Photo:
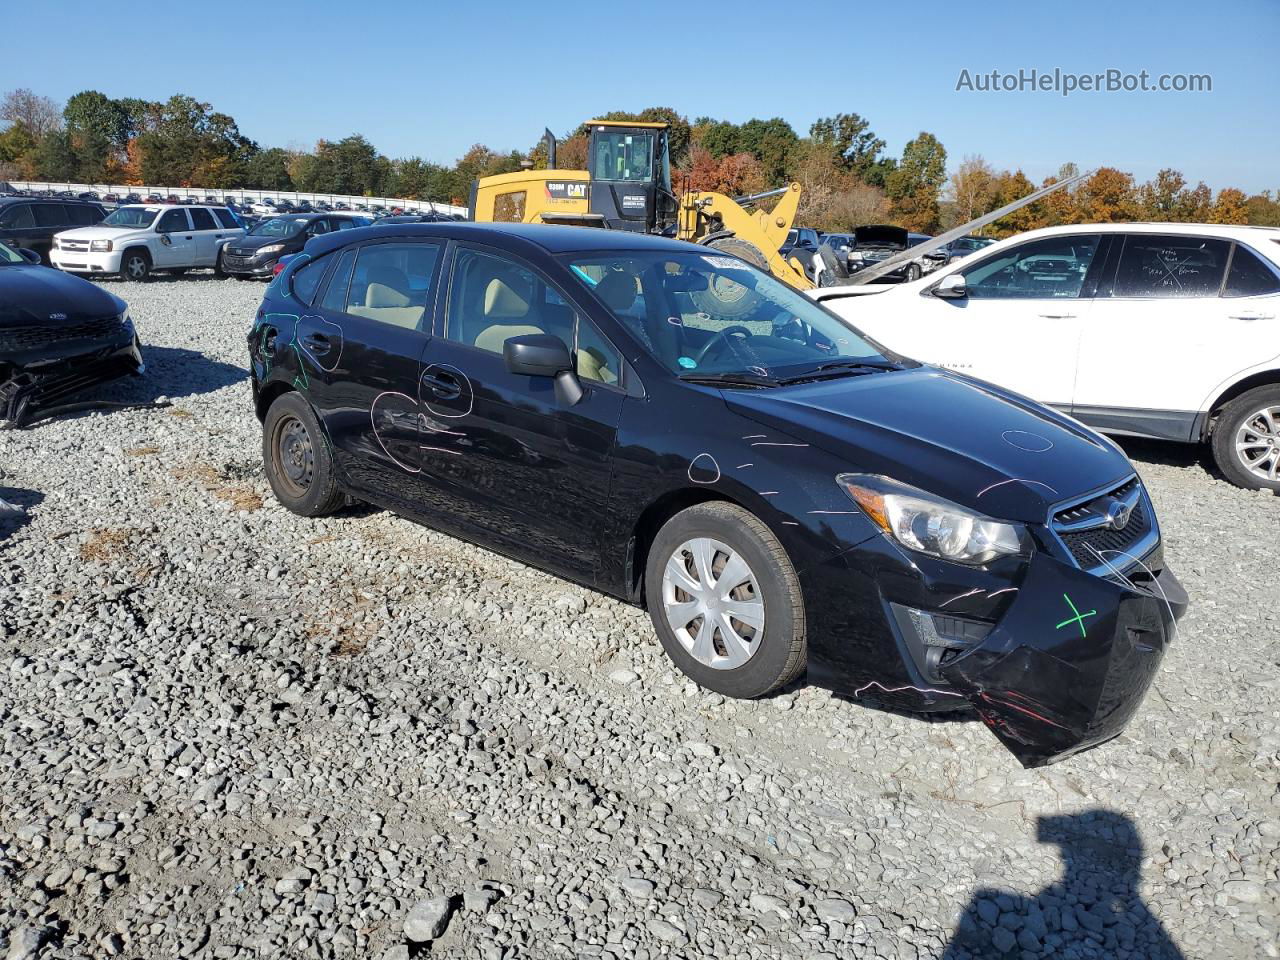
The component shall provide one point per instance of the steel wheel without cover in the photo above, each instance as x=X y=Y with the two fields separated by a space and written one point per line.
x=713 y=603
x=1258 y=443
x=295 y=455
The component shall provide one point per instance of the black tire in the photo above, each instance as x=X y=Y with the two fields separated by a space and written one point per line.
x=731 y=300
x=135 y=265
x=1235 y=416
x=297 y=459
x=218 y=269
x=913 y=272
x=781 y=654
x=834 y=272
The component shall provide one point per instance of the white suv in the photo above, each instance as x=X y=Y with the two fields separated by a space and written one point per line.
x=139 y=238
x=1154 y=330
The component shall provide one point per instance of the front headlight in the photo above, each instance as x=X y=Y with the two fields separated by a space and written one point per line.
x=100 y=246
x=126 y=321
x=271 y=248
x=920 y=521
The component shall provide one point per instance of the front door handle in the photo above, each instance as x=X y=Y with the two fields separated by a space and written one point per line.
x=1058 y=316
x=1251 y=315
x=443 y=386
x=318 y=343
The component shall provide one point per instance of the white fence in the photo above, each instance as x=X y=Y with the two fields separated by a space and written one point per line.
x=409 y=206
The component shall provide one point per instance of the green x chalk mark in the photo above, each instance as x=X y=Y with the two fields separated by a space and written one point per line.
x=1078 y=619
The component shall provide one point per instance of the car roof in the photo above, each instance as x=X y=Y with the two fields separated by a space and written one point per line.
x=1240 y=231
x=550 y=238
x=26 y=199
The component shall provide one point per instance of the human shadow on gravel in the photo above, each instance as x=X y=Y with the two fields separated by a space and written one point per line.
x=15 y=509
x=1095 y=910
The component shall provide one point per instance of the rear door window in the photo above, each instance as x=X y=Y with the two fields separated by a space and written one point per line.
x=51 y=215
x=226 y=218
x=392 y=281
x=1170 y=266
x=1249 y=276
x=335 y=294
x=202 y=219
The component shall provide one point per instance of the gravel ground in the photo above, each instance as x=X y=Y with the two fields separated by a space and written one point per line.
x=232 y=732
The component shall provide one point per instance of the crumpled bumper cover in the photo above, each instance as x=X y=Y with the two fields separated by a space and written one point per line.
x=63 y=372
x=1069 y=663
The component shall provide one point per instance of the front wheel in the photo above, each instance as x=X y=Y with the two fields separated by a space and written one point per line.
x=913 y=272
x=725 y=601
x=135 y=265
x=296 y=456
x=1246 y=439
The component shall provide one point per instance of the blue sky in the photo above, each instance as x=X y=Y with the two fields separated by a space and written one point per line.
x=291 y=73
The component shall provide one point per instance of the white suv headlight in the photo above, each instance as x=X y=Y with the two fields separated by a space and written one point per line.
x=100 y=246
x=920 y=521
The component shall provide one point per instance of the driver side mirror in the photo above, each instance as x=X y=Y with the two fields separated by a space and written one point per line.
x=544 y=355
x=951 y=288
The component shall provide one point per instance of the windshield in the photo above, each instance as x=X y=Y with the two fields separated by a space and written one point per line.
x=130 y=217
x=623 y=156
x=10 y=255
x=279 y=227
x=710 y=314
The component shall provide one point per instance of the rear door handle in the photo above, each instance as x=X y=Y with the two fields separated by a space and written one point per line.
x=1058 y=316
x=1251 y=315
x=318 y=343
x=443 y=386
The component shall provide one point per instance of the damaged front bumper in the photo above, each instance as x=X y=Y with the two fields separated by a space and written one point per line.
x=1067 y=665
x=36 y=377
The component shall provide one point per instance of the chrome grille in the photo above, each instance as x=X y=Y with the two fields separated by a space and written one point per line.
x=1088 y=530
x=77 y=245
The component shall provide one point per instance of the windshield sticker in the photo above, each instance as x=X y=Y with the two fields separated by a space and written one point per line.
x=725 y=263
x=687 y=362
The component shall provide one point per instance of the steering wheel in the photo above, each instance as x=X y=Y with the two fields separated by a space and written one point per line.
x=720 y=339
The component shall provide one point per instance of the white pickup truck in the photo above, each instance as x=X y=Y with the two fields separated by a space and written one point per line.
x=137 y=239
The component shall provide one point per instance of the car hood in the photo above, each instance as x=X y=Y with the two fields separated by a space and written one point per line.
x=41 y=296
x=247 y=242
x=100 y=233
x=960 y=438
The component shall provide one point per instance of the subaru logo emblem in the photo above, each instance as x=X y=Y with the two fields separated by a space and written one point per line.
x=1118 y=514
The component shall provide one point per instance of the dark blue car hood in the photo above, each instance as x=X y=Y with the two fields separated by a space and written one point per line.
x=956 y=437
x=32 y=295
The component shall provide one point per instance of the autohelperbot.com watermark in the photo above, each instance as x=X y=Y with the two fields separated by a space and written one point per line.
x=1065 y=82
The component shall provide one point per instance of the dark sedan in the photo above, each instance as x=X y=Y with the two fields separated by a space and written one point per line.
x=256 y=253
x=679 y=430
x=59 y=335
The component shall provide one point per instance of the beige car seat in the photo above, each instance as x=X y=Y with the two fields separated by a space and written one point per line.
x=386 y=301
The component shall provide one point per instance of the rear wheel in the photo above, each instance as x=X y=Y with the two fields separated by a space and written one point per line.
x=135 y=265
x=725 y=601
x=913 y=272
x=297 y=459
x=1246 y=439
x=725 y=298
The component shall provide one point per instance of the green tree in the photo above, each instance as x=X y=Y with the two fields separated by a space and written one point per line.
x=773 y=143
x=913 y=187
x=54 y=159
x=268 y=170
x=850 y=139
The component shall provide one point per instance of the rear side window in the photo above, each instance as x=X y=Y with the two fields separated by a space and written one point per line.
x=391 y=283
x=1249 y=276
x=17 y=216
x=335 y=295
x=1159 y=266
x=226 y=218
x=202 y=219
x=306 y=280
x=51 y=215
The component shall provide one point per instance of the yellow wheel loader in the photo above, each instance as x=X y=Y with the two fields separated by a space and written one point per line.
x=628 y=187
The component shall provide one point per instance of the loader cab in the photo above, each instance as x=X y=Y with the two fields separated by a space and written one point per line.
x=630 y=167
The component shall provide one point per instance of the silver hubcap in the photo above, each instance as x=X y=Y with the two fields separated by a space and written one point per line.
x=1258 y=443
x=713 y=603
x=136 y=267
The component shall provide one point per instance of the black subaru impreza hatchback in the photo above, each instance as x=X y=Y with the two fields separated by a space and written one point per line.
x=675 y=428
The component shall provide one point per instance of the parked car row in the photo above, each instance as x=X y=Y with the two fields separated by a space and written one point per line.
x=848 y=253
